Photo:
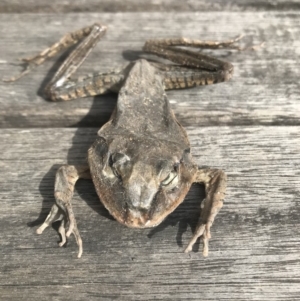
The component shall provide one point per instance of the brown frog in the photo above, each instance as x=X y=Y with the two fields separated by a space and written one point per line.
x=140 y=163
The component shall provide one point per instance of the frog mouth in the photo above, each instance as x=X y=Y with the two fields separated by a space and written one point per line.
x=136 y=218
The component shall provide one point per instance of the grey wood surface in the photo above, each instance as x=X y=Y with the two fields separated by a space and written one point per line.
x=67 y=6
x=249 y=127
x=263 y=90
x=254 y=250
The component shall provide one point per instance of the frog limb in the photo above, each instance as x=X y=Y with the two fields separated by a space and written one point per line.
x=228 y=44
x=215 y=186
x=194 y=68
x=65 y=42
x=61 y=87
x=65 y=180
x=90 y=85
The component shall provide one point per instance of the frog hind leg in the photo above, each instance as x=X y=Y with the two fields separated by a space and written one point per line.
x=62 y=87
x=65 y=180
x=215 y=186
x=192 y=67
x=89 y=34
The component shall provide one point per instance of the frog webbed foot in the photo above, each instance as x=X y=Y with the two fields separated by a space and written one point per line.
x=215 y=186
x=62 y=210
x=204 y=231
x=57 y=214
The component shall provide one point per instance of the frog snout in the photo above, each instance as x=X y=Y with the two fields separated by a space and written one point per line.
x=141 y=196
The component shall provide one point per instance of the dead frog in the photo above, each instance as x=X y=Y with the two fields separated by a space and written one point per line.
x=140 y=163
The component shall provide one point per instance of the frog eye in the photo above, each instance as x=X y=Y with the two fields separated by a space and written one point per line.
x=172 y=179
x=169 y=179
x=119 y=158
x=116 y=173
x=117 y=163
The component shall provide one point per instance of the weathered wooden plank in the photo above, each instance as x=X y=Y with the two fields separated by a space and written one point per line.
x=254 y=251
x=264 y=89
x=43 y=6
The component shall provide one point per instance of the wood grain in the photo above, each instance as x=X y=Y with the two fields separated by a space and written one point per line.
x=263 y=91
x=67 y=6
x=249 y=127
x=254 y=250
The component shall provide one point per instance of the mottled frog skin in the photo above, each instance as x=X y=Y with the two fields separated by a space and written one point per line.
x=140 y=163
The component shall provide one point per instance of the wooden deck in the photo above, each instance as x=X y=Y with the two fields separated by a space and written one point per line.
x=250 y=127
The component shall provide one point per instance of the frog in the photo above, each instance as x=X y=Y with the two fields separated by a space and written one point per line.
x=141 y=162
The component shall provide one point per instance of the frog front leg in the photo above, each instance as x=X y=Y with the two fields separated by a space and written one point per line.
x=215 y=187
x=65 y=180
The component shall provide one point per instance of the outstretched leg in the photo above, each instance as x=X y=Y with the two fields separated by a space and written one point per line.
x=61 y=87
x=65 y=42
x=192 y=68
x=215 y=186
x=65 y=180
